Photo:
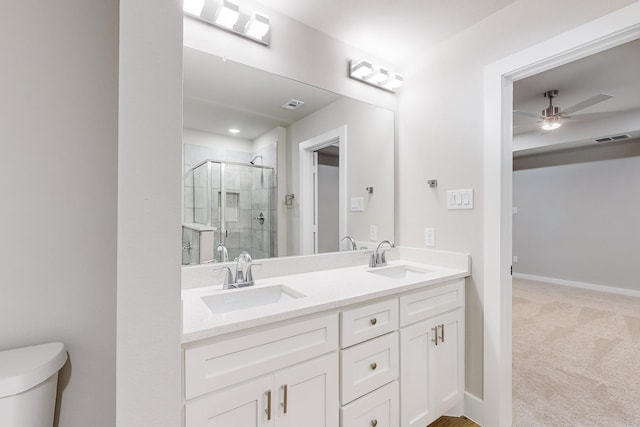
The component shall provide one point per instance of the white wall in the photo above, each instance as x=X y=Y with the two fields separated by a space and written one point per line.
x=370 y=163
x=58 y=181
x=149 y=190
x=441 y=129
x=579 y=222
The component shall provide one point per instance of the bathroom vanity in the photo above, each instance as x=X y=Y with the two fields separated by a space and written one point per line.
x=345 y=346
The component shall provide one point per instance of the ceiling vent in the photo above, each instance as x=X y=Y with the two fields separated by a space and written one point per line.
x=294 y=104
x=613 y=138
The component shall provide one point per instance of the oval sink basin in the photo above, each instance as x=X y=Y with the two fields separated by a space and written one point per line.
x=400 y=272
x=239 y=299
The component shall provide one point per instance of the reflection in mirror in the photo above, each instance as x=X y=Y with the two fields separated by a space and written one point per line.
x=277 y=167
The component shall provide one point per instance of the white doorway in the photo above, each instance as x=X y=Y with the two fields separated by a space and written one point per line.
x=310 y=214
x=609 y=31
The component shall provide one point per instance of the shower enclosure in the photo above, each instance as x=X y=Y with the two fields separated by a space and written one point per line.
x=237 y=199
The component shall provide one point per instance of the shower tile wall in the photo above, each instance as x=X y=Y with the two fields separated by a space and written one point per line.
x=255 y=191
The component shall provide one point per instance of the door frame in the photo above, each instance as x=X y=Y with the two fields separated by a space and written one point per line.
x=307 y=209
x=600 y=34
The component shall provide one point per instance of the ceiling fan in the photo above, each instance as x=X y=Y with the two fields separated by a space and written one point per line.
x=552 y=117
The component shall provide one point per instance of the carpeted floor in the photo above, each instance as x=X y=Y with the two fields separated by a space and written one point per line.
x=576 y=357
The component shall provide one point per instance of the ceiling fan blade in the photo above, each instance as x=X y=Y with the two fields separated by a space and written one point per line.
x=528 y=114
x=587 y=103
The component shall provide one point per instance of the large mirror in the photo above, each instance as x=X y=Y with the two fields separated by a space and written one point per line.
x=279 y=168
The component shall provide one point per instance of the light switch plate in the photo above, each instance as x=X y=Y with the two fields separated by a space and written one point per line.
x=430 y=237
x=460 y=199
x=357 y=204
x=373 y=232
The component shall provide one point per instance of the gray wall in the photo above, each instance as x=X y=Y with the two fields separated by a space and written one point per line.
x=578 y=221
x=58 y=165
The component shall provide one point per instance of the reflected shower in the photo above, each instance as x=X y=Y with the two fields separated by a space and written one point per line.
x=253 y=161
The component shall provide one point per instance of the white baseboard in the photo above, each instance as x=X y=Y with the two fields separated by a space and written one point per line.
x=474 y=408
x=582 y=285
x=471 y=407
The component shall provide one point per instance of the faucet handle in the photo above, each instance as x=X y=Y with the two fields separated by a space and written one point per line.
x=228 y=277
x=249 y=275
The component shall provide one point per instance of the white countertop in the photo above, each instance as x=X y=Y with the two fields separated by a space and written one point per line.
x=323 y=290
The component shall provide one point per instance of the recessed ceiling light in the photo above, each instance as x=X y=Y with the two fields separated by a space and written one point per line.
x=234 y=131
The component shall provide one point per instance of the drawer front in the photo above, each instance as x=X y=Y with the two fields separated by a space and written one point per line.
x=421 y=305
x=368 y=366
x=363 y=323
x=377 y=409
x=230 y=361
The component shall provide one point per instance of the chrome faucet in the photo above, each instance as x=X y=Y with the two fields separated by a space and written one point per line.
x=378 y=257
x=354 y=247
x=224 y=255
x=244 y=273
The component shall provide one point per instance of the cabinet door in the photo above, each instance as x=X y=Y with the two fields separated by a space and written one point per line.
x=417 y=388
x=245 y=405
x=448 y=360
x=308 y=393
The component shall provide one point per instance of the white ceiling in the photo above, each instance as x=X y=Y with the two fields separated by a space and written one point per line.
x=392 y=29
x=219 y=95
x=615 y=72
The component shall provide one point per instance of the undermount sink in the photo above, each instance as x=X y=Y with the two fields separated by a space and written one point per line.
x=239 y=299
x=400 y=272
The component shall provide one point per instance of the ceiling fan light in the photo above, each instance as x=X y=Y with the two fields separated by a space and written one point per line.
x=551 y=123
x=258 y=26
x=228 y=14
x=361 y=69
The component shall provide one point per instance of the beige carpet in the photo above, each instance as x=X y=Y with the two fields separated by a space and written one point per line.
x=576 y=357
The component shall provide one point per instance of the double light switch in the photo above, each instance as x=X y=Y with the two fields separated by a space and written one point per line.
x=460 y=199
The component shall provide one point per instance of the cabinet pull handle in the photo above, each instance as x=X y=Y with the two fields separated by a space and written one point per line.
x=284 y=403
x=373 y=366
x=373 y=321
x=374 y=423
x=442 y=334
x=435 y=334
x=268 y=410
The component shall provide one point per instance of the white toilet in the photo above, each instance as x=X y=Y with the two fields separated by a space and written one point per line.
x=28 y=384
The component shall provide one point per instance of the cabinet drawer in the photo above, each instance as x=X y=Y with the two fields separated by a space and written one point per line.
x=367 y=366
x=241 y=357
x=421 y=305
x=377 y=409
x=363 y=323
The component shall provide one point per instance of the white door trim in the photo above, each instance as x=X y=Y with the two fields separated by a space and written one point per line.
x=600 y=34
x=306 y=150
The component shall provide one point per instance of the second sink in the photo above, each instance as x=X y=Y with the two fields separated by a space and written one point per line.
x=400 y=272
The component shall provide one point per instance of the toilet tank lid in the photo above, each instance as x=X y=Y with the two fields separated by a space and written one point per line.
x=26 y=367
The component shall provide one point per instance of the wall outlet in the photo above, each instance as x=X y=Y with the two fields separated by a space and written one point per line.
x=515 y=258
x=430 y=237
x=373 y=233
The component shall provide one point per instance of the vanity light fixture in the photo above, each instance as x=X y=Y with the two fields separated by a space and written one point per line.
x=258 y=26
x=379 y=77
x=229 y=17
x=228 y=13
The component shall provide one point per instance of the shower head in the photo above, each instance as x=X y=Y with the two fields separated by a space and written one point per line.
x=253 y=161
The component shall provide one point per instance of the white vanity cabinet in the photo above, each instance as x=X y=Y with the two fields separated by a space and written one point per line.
x=283 y=376
x=432 y=353
x=386 y=362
